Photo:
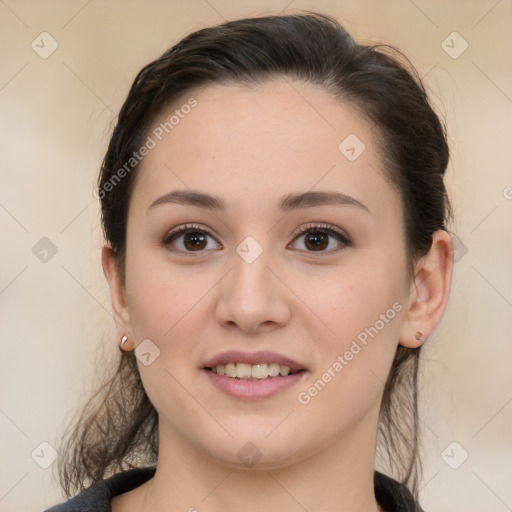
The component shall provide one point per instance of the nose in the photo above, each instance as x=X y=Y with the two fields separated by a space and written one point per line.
x=252 y=298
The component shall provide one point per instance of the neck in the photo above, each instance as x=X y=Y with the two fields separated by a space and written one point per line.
x=340 y=477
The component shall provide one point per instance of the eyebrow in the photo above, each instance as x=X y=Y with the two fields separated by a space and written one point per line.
x=285 y=204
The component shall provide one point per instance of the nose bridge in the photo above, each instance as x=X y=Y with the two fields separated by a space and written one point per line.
x=250 y=266
x=250 y=294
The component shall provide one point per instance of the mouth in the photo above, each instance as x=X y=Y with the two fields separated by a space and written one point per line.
x=253 y=375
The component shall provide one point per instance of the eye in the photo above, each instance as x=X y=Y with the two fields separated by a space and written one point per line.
x=318 y=238
x=189 y=238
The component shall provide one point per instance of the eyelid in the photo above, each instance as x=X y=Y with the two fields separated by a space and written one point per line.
x=183 y=227
x=321 y=226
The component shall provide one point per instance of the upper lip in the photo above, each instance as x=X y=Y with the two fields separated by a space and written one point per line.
x=265 y=356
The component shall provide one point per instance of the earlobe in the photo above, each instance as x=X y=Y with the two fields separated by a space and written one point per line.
x=117 y=293
x=429 y=292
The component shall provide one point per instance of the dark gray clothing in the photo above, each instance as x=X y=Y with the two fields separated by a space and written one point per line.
x=391 y=495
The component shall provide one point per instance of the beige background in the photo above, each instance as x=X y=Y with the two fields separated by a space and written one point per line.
x=56 y=114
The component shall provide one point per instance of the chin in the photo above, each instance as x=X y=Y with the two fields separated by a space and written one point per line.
x=252 y=450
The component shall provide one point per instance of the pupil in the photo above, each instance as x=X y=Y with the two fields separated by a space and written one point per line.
x=319 y=241
x=194 y=240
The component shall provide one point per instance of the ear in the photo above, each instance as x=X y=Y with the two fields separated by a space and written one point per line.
x=117 y=295
x=429 y=291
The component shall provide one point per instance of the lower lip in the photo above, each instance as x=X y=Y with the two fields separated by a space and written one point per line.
x=253 y=389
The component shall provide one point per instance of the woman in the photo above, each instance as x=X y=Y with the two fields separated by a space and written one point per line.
x=277 y=253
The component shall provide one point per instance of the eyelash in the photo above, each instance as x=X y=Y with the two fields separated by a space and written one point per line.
x=326 y=229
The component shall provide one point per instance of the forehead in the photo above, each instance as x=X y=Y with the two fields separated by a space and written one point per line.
x=262 y=141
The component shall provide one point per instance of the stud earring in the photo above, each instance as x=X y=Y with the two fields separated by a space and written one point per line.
x=124 y=339
x=418 y=336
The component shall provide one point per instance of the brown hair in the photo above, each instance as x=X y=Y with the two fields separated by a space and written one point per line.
x=118 y=428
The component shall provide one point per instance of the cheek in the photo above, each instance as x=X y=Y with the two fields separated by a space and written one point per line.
x=161 y=296
x=168 y=309
x=358 y=299
x=348 y=381
x=364 y=310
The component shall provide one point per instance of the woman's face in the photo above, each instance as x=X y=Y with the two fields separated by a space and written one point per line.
x=282 y=268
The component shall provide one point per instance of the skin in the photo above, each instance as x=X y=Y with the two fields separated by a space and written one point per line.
x=251 y=146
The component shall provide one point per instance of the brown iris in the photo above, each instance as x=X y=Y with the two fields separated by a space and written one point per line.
x=194 y=241
x=316 y=240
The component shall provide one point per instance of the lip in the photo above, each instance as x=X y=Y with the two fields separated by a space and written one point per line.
x=263 y=356
x=253 y=389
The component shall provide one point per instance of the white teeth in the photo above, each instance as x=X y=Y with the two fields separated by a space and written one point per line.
x=230 y=369
x=273 y=369
x=259 y=371
x=243 y=370
x=256 y=371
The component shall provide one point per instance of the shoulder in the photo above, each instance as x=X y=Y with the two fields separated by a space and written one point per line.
x=97 y=497
x=393 y=496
